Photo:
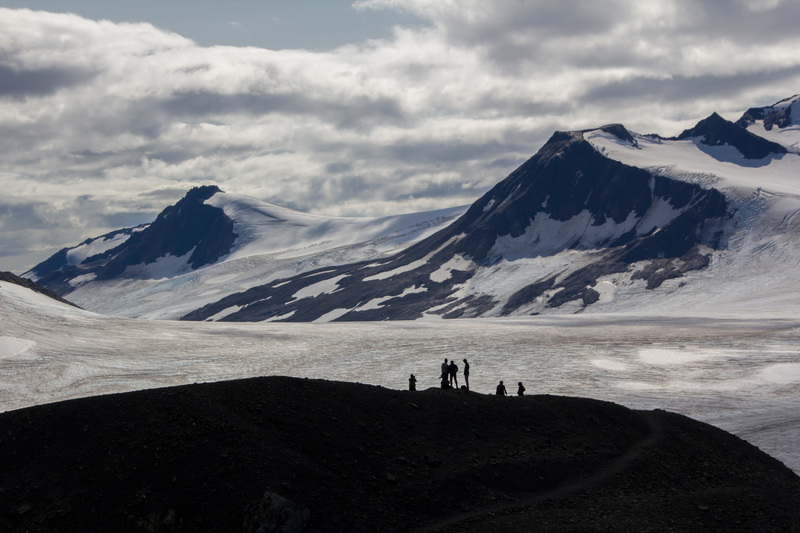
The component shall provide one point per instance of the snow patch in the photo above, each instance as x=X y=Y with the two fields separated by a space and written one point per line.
x=376 y=303
x=77 y=255
x=444 y=272
x=399 y=270
x=665 y=357
x=165 y=267
x=607 y=291
x=79 y=280
x=326 y=286
x=782 y=374
x=280 y=317
x=610 y=364
x=225 y=312
x=331 y=316
x=17 y=349
x=546 y=236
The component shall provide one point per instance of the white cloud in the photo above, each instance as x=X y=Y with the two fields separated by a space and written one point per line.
x=430 y=118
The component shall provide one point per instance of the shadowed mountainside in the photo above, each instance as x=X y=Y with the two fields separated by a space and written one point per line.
x=365 y=458
x=581 y=199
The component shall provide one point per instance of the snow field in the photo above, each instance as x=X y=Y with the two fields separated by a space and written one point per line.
x=742 y=375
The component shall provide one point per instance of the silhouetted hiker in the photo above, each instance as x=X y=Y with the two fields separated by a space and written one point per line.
x=453 y=370
x=521 y=389
x=445 y=374
x=501 y=390
x=412 y=383
x=466 y=373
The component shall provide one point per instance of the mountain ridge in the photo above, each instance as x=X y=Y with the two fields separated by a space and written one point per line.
x=596 y=218
x=567 y=167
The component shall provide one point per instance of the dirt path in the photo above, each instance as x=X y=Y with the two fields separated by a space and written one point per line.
x=568 y=487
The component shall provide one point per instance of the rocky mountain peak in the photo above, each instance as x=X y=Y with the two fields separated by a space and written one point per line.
x=716 y=131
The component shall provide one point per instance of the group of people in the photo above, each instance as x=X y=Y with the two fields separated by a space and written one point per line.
x=450 y=374
x=501 y=389
x=450 y=379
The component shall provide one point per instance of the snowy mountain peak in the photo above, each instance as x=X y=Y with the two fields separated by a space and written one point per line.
x=716 y=131
x=184 y=236
x=541 y=240
x=599 y=220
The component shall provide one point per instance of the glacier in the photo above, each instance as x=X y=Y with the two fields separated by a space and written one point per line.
x=740 y=374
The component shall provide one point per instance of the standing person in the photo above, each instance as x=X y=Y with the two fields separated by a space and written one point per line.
x=453 y=369
x=466 y=373
x=501 y=390
x=521 y=389
x=412 y=383
x=445 y=374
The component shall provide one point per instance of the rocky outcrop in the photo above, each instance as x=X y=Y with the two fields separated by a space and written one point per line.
x=716 y=131
x=778 y=115
x=275 y=514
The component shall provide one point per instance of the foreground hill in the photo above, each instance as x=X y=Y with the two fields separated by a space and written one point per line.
x=364 y=458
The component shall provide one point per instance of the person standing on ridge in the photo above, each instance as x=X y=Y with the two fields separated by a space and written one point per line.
x=501 y=390
x=412 y=383
x=453 y=370
x=445 y=374
x=466 y=373
x=521 y=389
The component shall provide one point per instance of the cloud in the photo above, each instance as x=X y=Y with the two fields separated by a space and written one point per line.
x=129 y=116
x=22 y=83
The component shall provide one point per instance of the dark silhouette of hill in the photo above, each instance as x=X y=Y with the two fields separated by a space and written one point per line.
x=353 y=457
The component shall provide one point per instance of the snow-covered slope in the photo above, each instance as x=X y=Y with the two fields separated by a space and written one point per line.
x=560 y=234
x=756 y=272
x=601 y=220
x=779 y=122
x=156 y=271
x=741 y=374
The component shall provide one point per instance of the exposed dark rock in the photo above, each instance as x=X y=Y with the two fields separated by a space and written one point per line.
x=188 y=225
x=620 y=132
x=771 y=115
x=364 y=458
x=716 y=131
x=275 y=514
x=28 y=284
x=528 y=294
x=566 y=179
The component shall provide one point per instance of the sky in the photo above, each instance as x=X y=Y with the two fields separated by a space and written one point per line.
x=110 y=111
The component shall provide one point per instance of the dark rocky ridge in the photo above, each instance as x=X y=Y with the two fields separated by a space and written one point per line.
x=188 y=225
x=10 y=277
x=364 y=458
x=565 y=178
x=781 y=117
x=716 y=131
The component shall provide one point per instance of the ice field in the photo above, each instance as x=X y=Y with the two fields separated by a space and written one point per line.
x=740 y=375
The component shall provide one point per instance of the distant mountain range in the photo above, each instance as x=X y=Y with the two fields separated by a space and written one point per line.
x=600 y=220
